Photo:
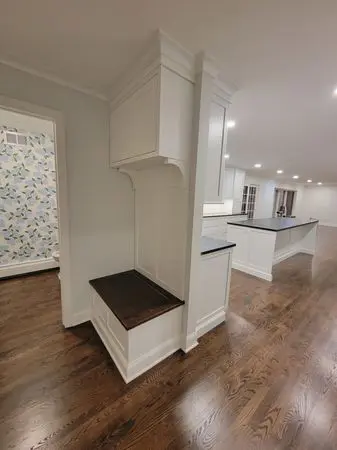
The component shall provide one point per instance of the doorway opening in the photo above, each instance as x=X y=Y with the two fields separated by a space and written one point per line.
x=34 y=217
x=284 y=201
x=28 y=199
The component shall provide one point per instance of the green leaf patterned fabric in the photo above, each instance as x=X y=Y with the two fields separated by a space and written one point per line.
x=28 y=205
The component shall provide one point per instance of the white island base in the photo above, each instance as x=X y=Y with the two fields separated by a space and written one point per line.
x=260 y=244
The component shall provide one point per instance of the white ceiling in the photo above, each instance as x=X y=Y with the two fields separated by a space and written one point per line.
x=280 y=54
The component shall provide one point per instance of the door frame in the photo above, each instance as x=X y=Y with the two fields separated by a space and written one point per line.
x=56 y=117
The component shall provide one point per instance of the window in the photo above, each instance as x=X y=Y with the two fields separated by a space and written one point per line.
x=249 y=200
x=15 y=138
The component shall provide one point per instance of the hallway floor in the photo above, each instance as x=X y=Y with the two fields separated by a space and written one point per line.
x=267 y=379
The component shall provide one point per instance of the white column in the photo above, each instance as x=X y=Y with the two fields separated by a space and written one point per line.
x=204 y=86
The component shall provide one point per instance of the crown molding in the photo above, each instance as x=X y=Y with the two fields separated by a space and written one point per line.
x=205 y=63
x=53 y=79
x=161 y=51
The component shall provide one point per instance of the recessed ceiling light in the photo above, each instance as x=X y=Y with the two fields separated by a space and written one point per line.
x=309 y=181
x=227 y=155
x=295 y=177
x=280 y=171
x=231 y=124
x=335 y=92
x=258 y=166
x=319 y=183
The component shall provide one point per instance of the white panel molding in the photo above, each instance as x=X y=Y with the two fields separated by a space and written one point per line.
x=80 y=317
x=210 y=321
x=152 y=358
x=288 y=253
x=10 y=270
x=114 y=351
x=252 y=271
x=135 y=351
x=54 y=79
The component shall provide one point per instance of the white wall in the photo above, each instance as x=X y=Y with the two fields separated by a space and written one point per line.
x=265 y=197
x=320 y=202
x=24 y=122
x=100 y=199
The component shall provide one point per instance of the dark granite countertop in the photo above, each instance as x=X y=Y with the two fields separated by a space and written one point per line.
x=133 y=298
x=205 y=216
x=273 y=224
x=211 y=245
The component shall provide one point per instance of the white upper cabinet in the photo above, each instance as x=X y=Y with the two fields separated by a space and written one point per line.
x=228 y=183
x=215 y=155
x=133 y=125
x=153 y=121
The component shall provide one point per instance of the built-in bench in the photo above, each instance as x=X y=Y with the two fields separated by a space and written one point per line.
x=138 y=321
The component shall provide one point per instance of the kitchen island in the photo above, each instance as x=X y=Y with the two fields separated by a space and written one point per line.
x=262 y=243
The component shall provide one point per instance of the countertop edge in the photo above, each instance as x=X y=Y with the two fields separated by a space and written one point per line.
x=209 y=216
x=272 y=229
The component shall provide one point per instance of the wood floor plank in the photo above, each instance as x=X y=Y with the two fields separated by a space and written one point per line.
x=266 y=379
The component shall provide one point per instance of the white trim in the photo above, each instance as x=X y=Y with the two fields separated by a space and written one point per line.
x=62 y=192
x=142 y=364
x=210 y=321
x=152 y=358
x=286 y=255
x=190 y=342
x=162 y=51
x=10 y=270
x=328 y=224
x=80 y=317
x=54 y=79
x=156 y=280
x=256 y=273
x=115 y=353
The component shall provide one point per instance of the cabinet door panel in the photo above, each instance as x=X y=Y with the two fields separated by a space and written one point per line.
x=215 y=165
x=134 y=123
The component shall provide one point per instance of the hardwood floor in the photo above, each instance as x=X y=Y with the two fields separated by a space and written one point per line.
x=267 y=379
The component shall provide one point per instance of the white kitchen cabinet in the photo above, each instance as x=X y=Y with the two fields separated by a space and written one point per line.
x=152 y=121
x=228 y=183
x=234 y=180
x=213 y=292
x=215 y=156
x=239 y=182
x=216 y=227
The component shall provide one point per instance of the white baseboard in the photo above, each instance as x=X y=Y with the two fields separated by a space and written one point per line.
x=189 y=343
x=306 y=251
x=252 y=271
x=78 y=318
x=142 y=364
x=10 y=270
x=327 y=224
x=210 y=321
x=152 y=358
x=286 y=255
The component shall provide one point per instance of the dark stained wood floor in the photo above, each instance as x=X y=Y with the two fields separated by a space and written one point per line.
x=267 y=379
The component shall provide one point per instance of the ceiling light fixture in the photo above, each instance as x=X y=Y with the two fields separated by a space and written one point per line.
x=227 y=155
x=231 y=124
x=319 y=183
x=295 y=177
x=258 y=166
x=280 y=171
x=335 y=92
x=309 y=181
